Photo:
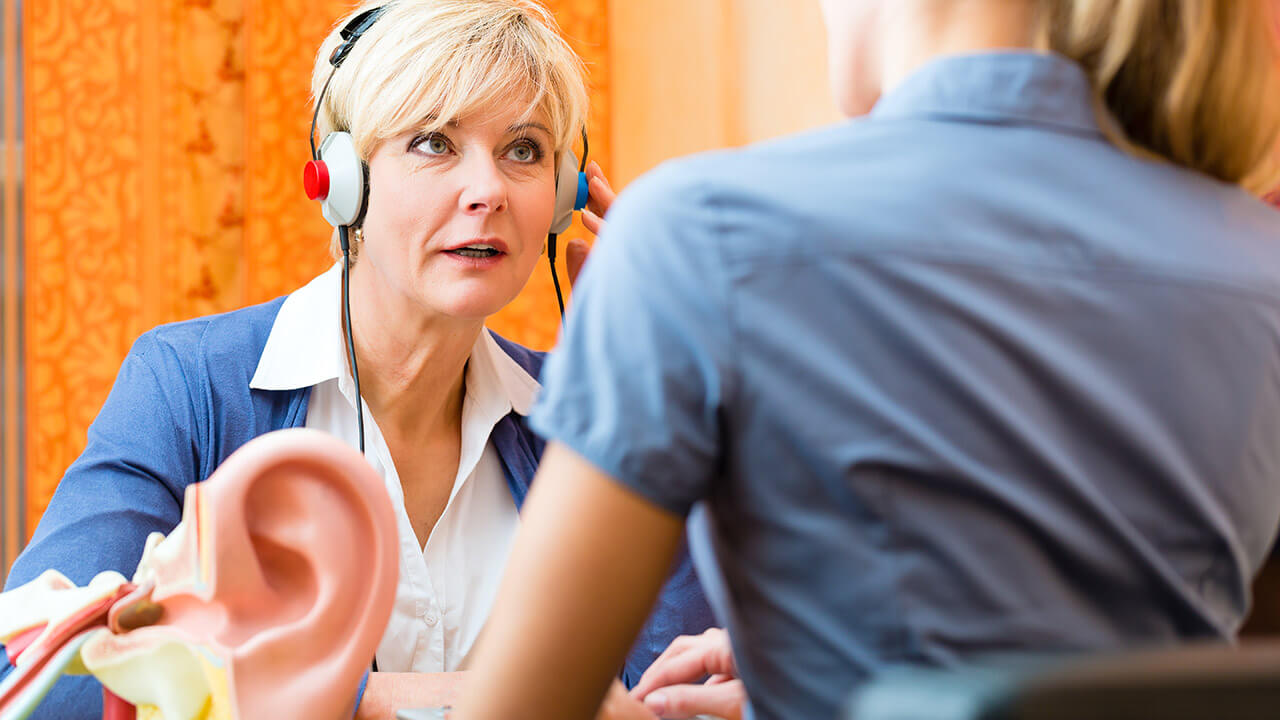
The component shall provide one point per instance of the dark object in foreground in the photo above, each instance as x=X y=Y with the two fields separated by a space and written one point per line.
x=1187 y=683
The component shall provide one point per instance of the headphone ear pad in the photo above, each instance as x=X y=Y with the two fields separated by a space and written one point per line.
x=347 y=186
x=568 y=182
x=364 y=195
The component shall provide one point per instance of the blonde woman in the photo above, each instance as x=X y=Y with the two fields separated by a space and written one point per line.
x=461 y=110
x=993 y=367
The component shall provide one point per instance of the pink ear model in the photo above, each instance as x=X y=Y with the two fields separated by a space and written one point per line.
x=270 y=597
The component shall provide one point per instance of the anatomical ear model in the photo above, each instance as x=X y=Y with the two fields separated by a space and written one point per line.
x=266 y=601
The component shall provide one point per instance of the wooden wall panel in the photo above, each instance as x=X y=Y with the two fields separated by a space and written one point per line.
x=86 y=69
x=286 y=239
x=781 y=57
x=694 y=75
x=13 y=506
x=135 y=171
x=165 y=144
x=668 y=60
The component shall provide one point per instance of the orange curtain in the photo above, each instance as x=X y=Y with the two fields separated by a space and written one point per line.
x=164 y=145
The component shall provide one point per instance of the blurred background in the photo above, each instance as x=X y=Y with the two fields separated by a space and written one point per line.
x=151 y=163
x=150 y=166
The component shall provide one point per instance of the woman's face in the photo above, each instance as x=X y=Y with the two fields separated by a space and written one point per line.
x=853 y=64
x=458 y=217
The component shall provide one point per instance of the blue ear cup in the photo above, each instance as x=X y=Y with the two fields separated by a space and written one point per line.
x=572 y=193
x=580 y=202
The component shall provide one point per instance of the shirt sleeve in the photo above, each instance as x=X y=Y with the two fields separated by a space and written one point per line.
x=640 y=381
x=126 y=484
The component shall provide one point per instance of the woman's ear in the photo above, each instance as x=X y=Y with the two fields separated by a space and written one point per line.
x=294 y=547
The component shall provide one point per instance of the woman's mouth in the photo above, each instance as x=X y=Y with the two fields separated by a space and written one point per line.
x=478 y=250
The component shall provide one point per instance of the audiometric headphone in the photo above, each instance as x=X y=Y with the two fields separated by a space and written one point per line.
x=337 y=178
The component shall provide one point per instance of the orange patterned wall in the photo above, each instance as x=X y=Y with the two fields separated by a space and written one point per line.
x=164 y=145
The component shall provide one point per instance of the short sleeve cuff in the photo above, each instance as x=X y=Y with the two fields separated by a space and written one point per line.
x=544 y=422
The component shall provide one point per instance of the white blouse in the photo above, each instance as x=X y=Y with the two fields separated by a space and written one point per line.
x=446 y=587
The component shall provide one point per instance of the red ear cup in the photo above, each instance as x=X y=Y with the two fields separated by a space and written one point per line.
x=315 y=179
x=343 y=186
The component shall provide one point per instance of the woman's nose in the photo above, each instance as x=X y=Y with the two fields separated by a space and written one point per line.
x=484 y=188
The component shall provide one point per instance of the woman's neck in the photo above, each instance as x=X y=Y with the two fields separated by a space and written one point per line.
x=412 y=364
x=915 y=32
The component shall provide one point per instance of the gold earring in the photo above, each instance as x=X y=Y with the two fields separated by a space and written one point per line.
x=358 y=233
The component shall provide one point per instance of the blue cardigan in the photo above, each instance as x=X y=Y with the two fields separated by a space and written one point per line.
x=180 y=405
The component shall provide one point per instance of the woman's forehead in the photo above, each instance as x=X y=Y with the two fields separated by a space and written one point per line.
x=506 y=115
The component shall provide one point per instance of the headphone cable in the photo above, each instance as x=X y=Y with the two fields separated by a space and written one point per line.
x=346 y=325
x=555 y=279
x=315 y=115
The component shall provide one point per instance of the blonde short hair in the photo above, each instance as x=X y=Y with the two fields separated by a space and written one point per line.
x=1196 y=82
x=426 y=62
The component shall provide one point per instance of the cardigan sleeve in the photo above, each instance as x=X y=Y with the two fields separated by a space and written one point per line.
x=127 y=483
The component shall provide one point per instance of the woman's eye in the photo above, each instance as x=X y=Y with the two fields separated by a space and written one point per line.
x=524 y=153
x=433 y=144
x=436 y=145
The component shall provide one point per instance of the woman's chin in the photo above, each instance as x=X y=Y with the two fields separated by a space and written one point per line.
x=468 y=295
x=471 y=304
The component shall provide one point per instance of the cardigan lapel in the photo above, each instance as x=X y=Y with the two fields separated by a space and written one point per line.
x=520 y=450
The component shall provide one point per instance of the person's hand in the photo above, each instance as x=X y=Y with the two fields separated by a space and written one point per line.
x=666 y=689
x=618 y=705
x=600 y=196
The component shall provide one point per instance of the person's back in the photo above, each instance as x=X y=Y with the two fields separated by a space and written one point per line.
x=969 y=375
x=996 y=384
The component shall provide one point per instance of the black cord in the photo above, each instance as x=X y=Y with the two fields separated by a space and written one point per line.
x=346 y=325
x=555 y=279
x=351 y=343
x=315 y=115
x=350 y=34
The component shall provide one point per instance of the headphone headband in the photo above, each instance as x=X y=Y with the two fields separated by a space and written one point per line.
x=352 y=31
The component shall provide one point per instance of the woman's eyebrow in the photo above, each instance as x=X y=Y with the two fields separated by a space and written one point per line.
x=432 y=118
x=527 y=125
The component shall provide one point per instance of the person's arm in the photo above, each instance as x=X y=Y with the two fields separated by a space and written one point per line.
x=589 y=559
x=387 y=692
x=126 y=484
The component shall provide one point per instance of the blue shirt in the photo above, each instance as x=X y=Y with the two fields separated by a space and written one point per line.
x=957 y=377
x=181 y=404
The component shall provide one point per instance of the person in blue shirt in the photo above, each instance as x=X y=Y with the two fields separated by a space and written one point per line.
x=994 y=366
x=463 y=111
